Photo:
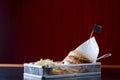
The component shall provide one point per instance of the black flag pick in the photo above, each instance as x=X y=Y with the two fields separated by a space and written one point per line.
x=96 y=28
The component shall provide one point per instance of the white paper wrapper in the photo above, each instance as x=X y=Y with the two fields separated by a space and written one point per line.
x=90 y=47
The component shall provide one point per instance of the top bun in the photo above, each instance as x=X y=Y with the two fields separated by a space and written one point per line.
x=77 y=57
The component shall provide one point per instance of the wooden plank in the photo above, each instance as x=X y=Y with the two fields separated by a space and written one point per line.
x=11 y=65
x=110 y=66
x=21 y=65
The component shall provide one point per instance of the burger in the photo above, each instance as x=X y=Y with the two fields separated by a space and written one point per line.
x=74 y=57
x=77 y=57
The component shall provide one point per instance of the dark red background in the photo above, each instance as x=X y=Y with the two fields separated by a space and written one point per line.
x=34 y=29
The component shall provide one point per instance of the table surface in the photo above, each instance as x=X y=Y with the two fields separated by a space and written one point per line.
x=15 y=72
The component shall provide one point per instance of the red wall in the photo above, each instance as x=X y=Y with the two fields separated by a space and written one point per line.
x=34 y=29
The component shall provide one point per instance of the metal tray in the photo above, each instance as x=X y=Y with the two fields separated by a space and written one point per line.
x=85 y=70
x=95 y=77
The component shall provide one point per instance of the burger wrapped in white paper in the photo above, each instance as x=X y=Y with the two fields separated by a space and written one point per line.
x=85 y=53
